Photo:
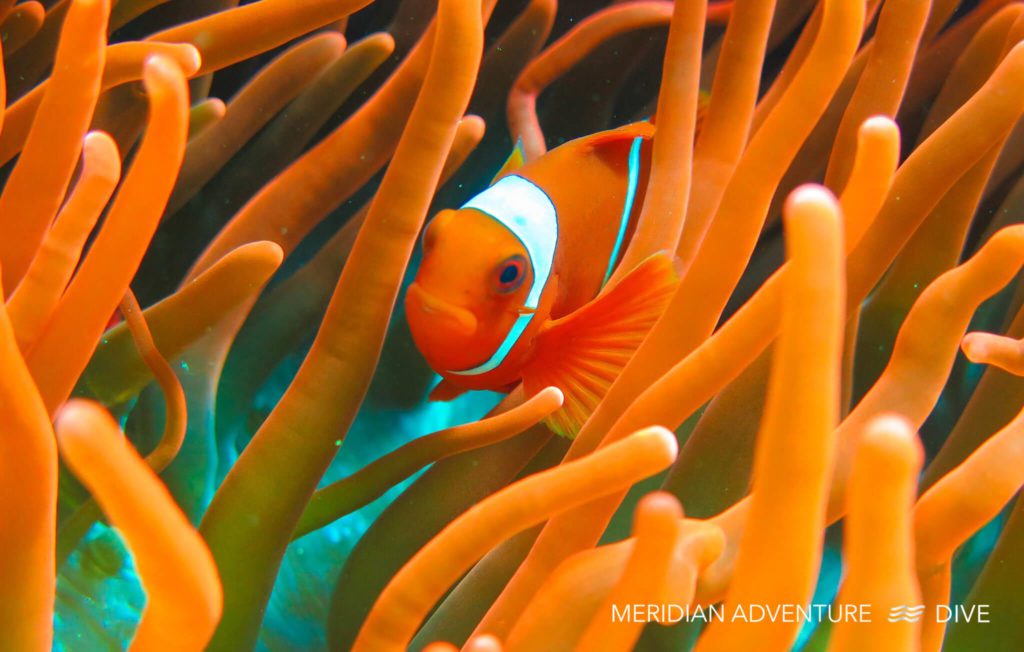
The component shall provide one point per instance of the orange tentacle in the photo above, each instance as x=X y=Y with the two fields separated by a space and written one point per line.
x=974 y=65
x=937 y=243
x=64 y=348
x=878 y=544
x=286 y=209
x=338 y=368
x=116 y=372
x=35 y=56
x=304 y=295
x=21 y=25
x=726 y=127
x=204 y=115
x=661 y=218
x=733 y=232
x=485 y=643
x=1006 y=353
x=795 y=60
x=883 y=82
x=564 y=53
x=175 y=421
x=569 y=599
x=957 y=506
x=39 y=292
x=183 y=594
x=370 y=482
x=36 y=187
x=256 y=103
x=413 y=591
x=236 y=34
x=28 y=507
x=657 y=528
x=911 y=383
x=287 y=136
x=970 y=133
x=509 y=55
x=684 y=389
x=176 y=418
x=934 y=248
x=125 y=62
x=221 y=40
x=778 y=557
x=994 y=402
x=125 y=11
x=938 y=57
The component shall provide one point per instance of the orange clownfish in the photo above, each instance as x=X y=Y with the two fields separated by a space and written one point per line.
x=512 y=285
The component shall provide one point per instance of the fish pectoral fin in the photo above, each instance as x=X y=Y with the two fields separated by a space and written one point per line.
x=523 y=310
x=446 y=391
x=583 y=353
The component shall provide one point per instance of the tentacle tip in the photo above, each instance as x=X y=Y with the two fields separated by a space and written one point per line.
x=893 y=436
x=266 y=254
x=811 y=193
x=100 y=142
x=187 y=59
x=194 y=62
x=336 y=40
x=660 y=504
x=890 y=424
x=217 y=106
x=160 y=66
x=555 y=395
x=381 y=41
x=97 y=136
x=712 y=541
x=1009 y=239
x=69 y=422
x=71 y=409
x=811 y=204
x=664 y=437
x=475 y=123
x=973 y=346
x=275 y=253
x=880 y=124
x=484 y=643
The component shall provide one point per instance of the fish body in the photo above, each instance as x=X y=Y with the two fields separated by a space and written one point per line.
x=513 y=285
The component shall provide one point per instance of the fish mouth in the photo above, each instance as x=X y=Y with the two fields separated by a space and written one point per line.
x=463 y=320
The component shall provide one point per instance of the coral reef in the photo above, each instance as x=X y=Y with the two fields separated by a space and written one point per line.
x=251 y=462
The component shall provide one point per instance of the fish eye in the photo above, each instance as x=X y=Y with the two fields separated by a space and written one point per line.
x=510 y=274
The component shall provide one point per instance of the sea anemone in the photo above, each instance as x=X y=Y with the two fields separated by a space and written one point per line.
x=250 y=461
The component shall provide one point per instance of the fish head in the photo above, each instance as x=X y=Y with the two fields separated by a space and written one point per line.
x=470 y=289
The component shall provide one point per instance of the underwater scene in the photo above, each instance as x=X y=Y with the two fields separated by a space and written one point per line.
x=512 y=325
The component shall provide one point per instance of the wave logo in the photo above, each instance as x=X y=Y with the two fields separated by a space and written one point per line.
x=906 y=613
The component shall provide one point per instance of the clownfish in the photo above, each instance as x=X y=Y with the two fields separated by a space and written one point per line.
x=513 y=286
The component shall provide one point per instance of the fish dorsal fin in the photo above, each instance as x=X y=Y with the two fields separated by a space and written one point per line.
x=514 y=161
x=617 y=147
x=622 y=136
x=583 y=353
x=446 y=391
